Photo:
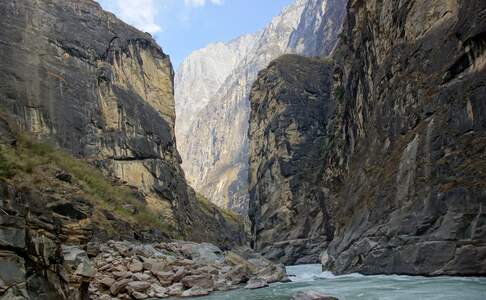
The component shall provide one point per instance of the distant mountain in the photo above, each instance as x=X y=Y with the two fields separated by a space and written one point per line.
x=212 y=91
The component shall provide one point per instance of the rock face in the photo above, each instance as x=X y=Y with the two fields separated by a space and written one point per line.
x=403 y=162
x=216 y=158
x=410 y=135
x=104 y=94
x=290 y=106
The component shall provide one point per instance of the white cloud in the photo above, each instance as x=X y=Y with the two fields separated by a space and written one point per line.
x=138 y=13
x=197 y=3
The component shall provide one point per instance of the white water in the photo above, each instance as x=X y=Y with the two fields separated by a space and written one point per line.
x=360 y=287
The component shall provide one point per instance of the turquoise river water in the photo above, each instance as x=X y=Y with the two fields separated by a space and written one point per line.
x=360 y=287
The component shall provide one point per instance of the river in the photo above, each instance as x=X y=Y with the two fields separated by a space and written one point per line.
x=356 y=286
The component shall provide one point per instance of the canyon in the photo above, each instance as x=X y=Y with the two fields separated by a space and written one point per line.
x=213 y=87
x=346 y=133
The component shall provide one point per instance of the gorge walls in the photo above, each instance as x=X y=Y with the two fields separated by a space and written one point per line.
x=212 y=122
x=78 y=79
x=410 y=138
x=290 y=106
x=403 y=162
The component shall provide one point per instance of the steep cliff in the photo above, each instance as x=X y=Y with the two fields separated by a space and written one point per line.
x=408 y=161
x=403 y=160
x=213 y=137
x=104 y=94
x=290 y=106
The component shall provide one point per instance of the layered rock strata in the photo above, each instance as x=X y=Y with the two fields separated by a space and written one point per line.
x=290 y=107
x=403 y=164
x=408 y=160
x=78 y=79
x=104 y=94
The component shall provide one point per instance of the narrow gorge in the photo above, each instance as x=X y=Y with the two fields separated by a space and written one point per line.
x=213 y=87
x=338 y=153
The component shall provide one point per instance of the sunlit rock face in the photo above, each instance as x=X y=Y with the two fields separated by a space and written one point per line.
x=105 y=94
x=212 y=91
x=290 y=109
x=407 y=169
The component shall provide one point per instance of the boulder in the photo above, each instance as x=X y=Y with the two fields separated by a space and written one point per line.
x=139 y=286
x=135 y=266
x=175 y=290
x=256 y=283
x=202 y=253
x=119 y=286
x=141 y=277
x=85 y=269
x=107 y=281
x=204 y=281
x=165 y=278
x=138 y=295
x=195 y=292
x=238 y=275
x=311 y=295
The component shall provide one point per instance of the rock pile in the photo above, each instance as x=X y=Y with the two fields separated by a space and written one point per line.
x=134 y=271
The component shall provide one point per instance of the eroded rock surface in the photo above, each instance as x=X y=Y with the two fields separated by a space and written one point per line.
x=410 y=133
x=104 y=94
x=403 y=164
x=290 y=107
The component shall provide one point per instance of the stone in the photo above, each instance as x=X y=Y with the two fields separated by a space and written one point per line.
x=107 y=281
x=159 y=289
x=141 y=277
x=139 y=286
x=202 y=253
x=92 y=249
x=175 y=290
x=195 y=292
x=179 y=274
x=199 y=281
x=223 y=285
x=138 y=295
x=165 y=278
x=238 y=275
x=311 y=295
x=12 y=271
x=119 y=286
x=86 y=269
x=135 y=266
x=12 y=232
x=122 y=274
x=256 y=283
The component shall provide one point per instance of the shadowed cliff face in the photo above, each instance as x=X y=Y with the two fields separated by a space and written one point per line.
x=290 y=107
x=79 y=78
x=407 y=166
x=403 y=162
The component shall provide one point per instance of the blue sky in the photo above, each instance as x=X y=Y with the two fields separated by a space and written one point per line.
x=182 y=26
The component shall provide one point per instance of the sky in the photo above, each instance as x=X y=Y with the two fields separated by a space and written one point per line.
x=182 y=26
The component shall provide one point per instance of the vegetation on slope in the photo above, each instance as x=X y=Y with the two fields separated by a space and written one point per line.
x=28 y=163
